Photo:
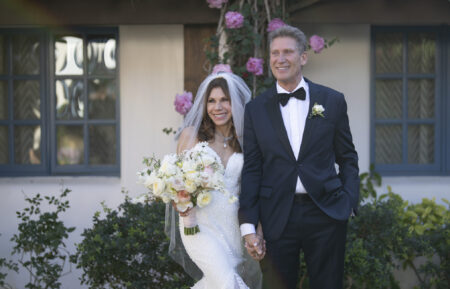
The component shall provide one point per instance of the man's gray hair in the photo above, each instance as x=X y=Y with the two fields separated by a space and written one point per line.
x=292 y=32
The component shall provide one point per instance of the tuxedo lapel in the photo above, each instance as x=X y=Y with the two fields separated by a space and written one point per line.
x=273 y=110
x=314 y=97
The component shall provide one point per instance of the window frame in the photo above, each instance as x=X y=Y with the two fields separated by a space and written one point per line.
x=440 y=167
x=47 y=78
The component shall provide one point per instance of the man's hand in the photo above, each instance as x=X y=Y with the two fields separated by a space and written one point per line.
x=256 y=246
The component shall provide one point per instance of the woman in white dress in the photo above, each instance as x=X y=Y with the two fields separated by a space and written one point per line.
x=216 y=118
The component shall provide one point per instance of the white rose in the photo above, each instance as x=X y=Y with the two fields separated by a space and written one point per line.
x=158 y=186
x=193 y=176
x=166 y=198
x=182 y=207
x=318 y=108
x=208 y=160
x=148 y=180
x=189 y=165
x=203 y=199
x=190 y=186
x=168 y=165
x=177 y=183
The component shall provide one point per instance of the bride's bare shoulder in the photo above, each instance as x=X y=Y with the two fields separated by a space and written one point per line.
x=187 y=139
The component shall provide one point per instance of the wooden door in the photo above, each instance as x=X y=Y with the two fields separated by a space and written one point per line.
x=195 y=62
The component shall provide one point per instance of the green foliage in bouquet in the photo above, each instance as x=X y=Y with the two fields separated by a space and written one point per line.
x=128 y=249
x=40 y=241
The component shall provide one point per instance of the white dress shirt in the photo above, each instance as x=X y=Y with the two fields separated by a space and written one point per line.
x=294 y=115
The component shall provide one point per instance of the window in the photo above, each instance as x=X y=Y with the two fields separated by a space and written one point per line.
x=410 y=101
x=59 y=104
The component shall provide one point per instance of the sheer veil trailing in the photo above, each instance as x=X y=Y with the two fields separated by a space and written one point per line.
x=240 y=94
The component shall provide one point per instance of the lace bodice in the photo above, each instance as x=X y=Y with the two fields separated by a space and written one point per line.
x=232 y=177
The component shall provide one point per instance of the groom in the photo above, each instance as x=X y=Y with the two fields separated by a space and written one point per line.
x=294 y=133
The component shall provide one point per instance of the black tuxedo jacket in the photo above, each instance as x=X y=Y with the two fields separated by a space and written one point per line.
x=270 y=171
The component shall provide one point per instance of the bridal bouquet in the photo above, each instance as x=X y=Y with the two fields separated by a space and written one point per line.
x=186 y=179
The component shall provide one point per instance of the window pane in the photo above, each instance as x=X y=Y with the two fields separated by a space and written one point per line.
x=69 y=99
x=69 y=55
x=27 y=99
x=388 y=144
x=421 y=53
x=3 y=57
x=4 y=159
x=102 y=144
x=101 y=54
x=421 y=98
x=27 y=144
x=70 y=145
x=26 y=54
x=102 y=99
x=388 y=99
x=389 y=53
x=3 y=100
x=421 y=144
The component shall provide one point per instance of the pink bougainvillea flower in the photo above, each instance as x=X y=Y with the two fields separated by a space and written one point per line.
x=183 y=102
x=221 y=68
x=234 y=20
x=275 y=24
x=216 y=3
x=317 y=43
x=255 y=65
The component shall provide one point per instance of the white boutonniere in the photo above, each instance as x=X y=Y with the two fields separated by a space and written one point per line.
x=317 y=110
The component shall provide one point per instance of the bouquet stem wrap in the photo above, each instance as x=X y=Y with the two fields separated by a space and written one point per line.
x=190 y=224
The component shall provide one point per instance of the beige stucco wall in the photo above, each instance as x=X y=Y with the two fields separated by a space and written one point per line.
x=345 y=66
x=151 y=73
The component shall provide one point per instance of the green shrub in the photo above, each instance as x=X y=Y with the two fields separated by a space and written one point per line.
x=388 y=230
x=9 y=265
x=128 y=249
x=40 y=241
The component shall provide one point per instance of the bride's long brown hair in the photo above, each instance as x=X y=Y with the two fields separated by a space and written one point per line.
x=207 y=127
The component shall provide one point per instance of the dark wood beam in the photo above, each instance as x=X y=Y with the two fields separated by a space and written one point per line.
x=378 y=12
x=106 y=12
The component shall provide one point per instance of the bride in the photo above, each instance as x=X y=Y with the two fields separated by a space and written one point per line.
x=216 y=118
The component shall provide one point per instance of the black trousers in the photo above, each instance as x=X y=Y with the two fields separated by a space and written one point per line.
x=322 y=240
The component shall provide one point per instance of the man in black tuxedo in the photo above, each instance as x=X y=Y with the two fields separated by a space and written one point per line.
x=294 y=134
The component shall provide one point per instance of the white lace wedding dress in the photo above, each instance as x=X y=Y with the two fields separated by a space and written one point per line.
x=217 y=249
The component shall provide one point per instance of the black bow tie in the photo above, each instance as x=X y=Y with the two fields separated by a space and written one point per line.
x=283 y=98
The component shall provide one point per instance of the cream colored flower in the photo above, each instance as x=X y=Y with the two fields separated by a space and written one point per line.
x=208 y=160
x=190 y=186
x=317 y=110
x=168 y=165
x=182 y=207
x=203 y=199
x=158 y=187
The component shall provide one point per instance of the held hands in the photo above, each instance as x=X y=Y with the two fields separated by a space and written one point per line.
x=256 y=246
